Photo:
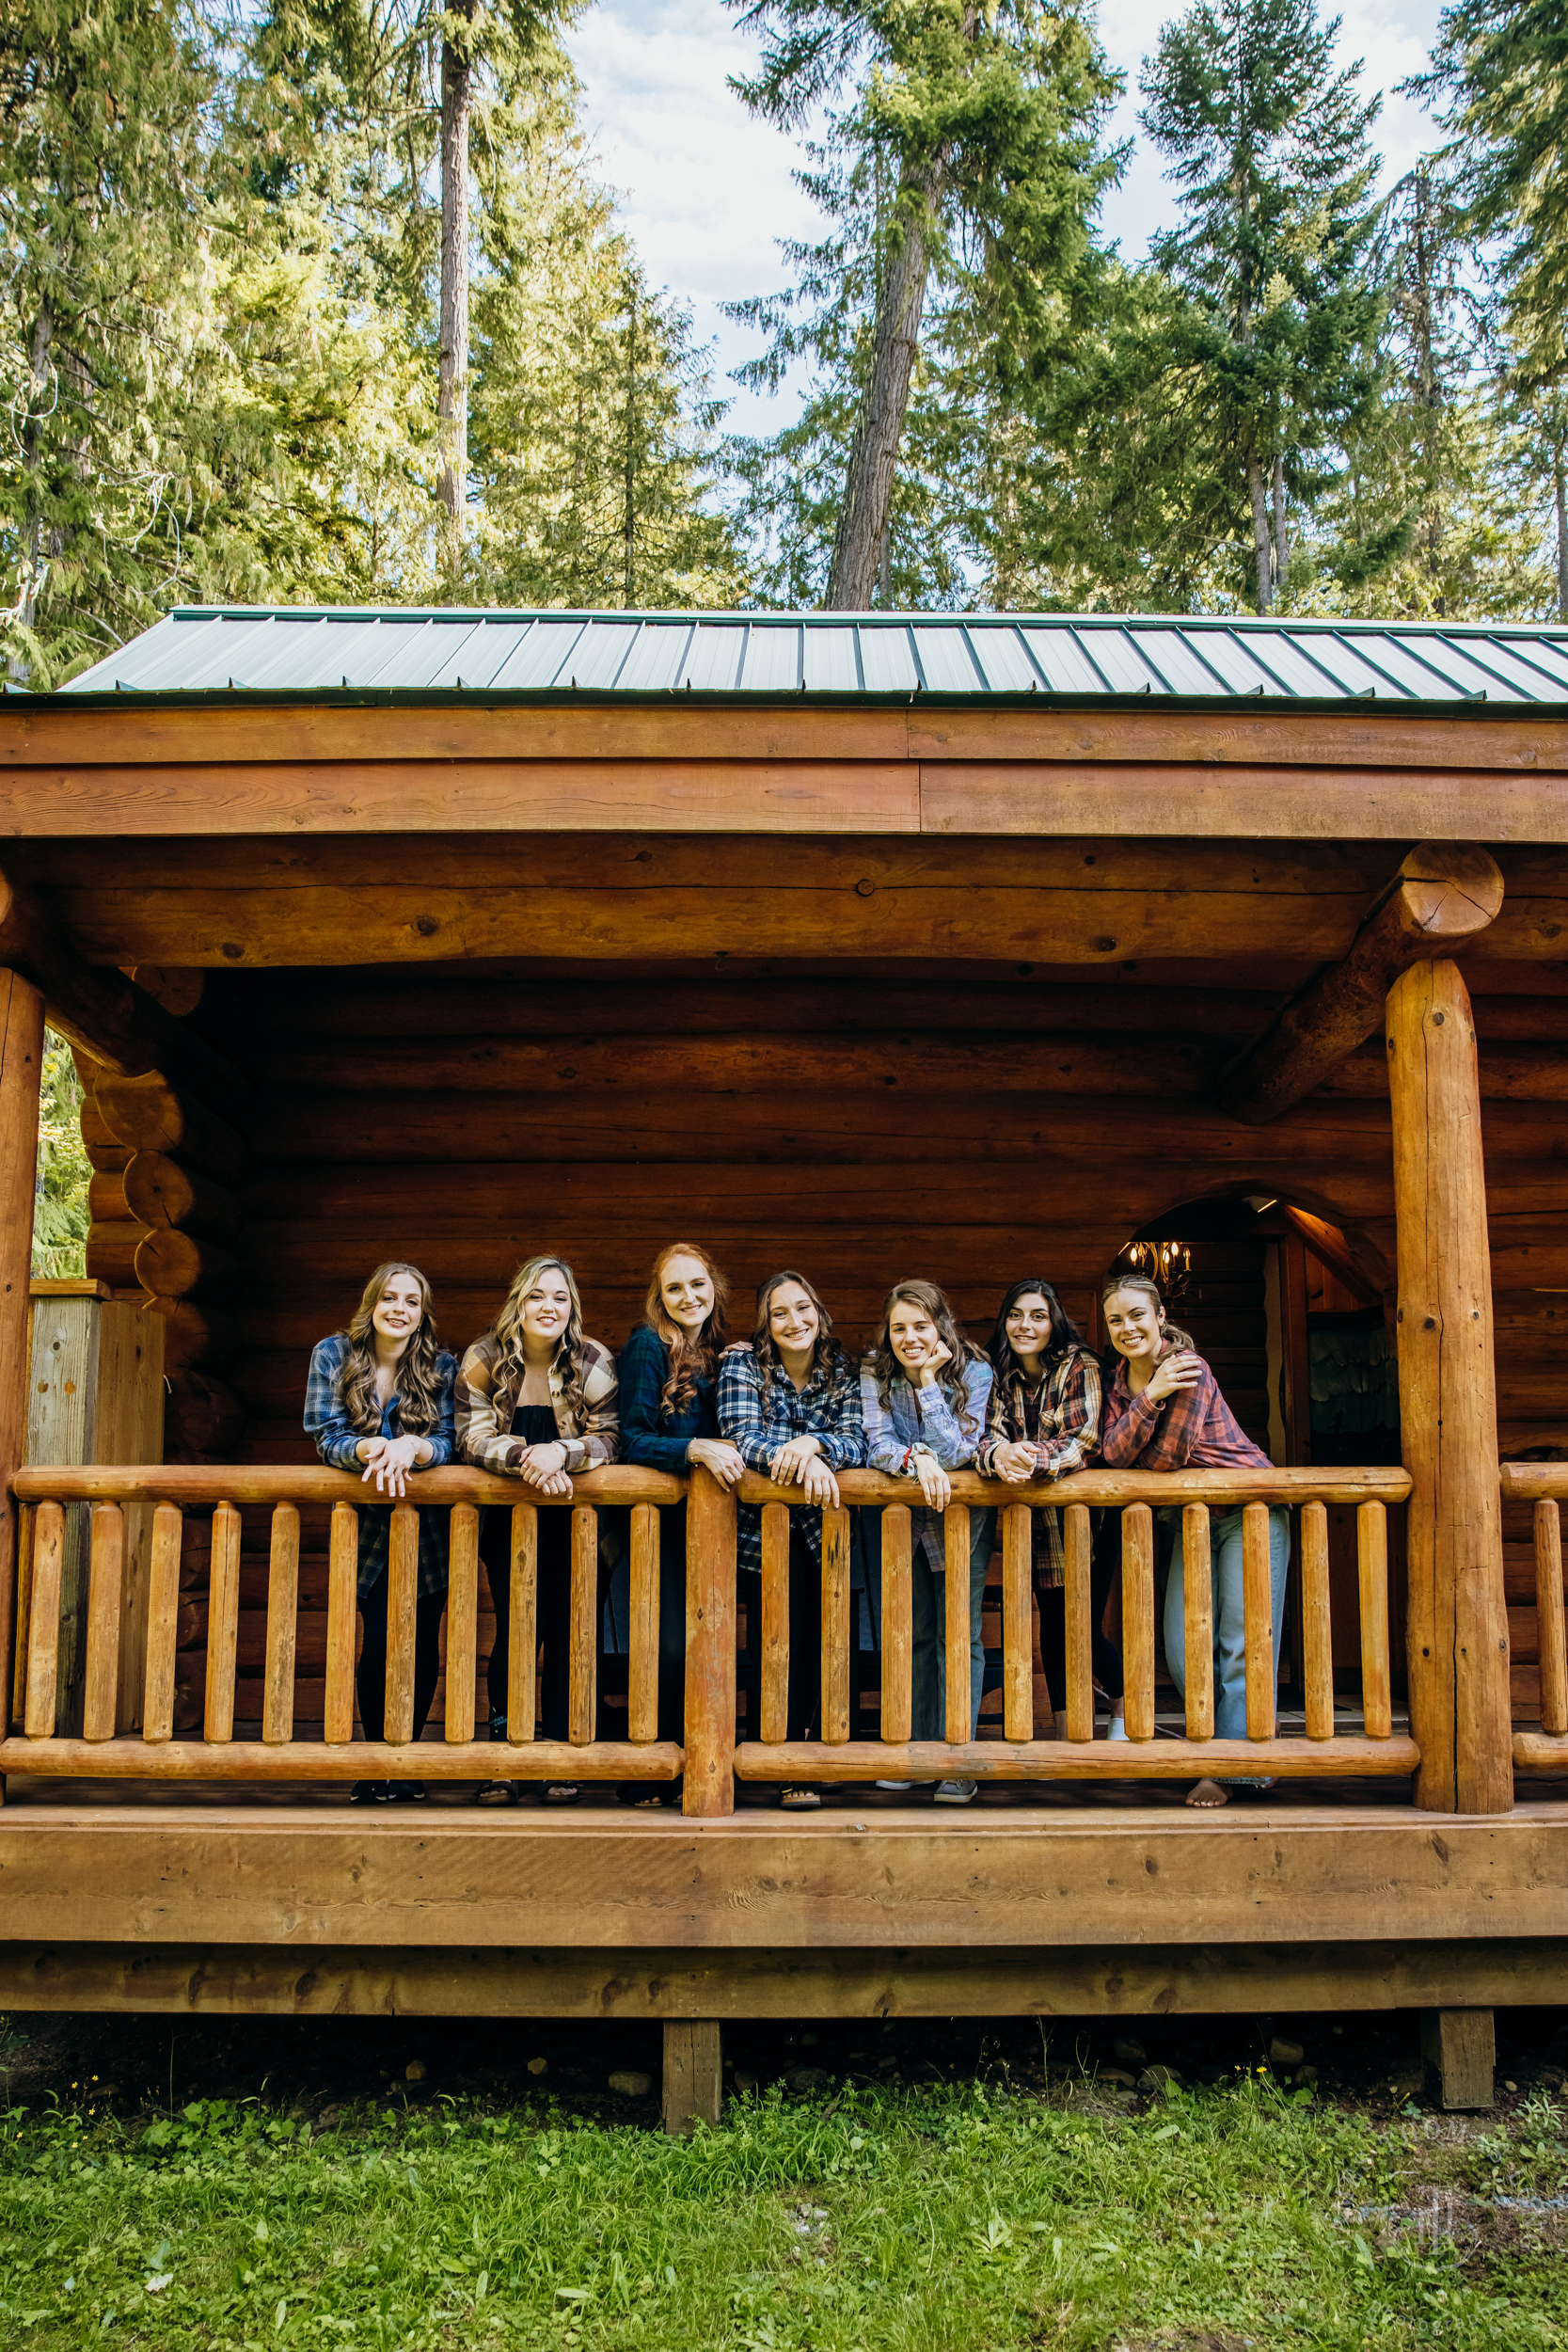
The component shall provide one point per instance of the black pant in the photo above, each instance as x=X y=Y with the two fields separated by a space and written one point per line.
x=552 y=1608
x=1104 y=1561
x=672 y=1622
x=804 y=1704
x=372 y=1673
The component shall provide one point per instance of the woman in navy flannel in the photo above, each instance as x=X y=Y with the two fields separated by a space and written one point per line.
x=379 y=1400
x=1164 y=1412
x=669 y=1374
x=789 y=1402
x=924 y=1390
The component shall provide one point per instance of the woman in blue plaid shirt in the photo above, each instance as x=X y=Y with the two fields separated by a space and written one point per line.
x=379 y=1400
x=789 y=1401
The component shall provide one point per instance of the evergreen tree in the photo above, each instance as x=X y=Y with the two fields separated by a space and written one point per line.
x=962 y=146
x=60 y=1213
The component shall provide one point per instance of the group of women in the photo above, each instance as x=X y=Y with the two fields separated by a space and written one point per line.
x=536 y=1400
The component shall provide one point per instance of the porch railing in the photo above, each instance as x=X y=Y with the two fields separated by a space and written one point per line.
x=1544 y=1483
x=712 y=1757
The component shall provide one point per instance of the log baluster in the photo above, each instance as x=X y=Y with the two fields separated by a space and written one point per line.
x=461 y=1621
x=522 y=1656
x=162 y=1624
x=643 y=1661
x=1017 y=1646
x=773 y=1645
x=960 y=1697
x=402 y=1595
x=898 y=1614
x=24 y=1518
x=1257 y=1620
x=223 y=1626
x=584 y=1649
x=1078 y=1603
x=277 y=1682
x=105 y=1586
x=708 y=1785
x=1552 y=1637
x=1317 y=1638
x=1137 y=1618
x=835 y=1626
x=1198 y=1618
x=1371 y=1547
x=342 y=1609
x=43 y=1624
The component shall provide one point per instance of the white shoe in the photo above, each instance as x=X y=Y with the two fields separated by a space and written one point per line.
x=955 y=1791
x=896 y=1783
x=1118 y=1729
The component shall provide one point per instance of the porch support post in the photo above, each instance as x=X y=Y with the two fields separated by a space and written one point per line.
x=693 y=2073
x=20 y=1068
x=1457 y=1624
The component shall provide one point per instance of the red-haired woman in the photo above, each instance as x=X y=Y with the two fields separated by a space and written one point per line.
x=668 y=1375
x=379 y=1400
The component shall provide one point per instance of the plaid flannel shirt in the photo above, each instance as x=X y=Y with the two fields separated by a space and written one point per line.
x=759 y=1416
x=487 y=1393
x=924 y=1417
x=1194 y=1429
x=336 y=1443
x=1066 y=1436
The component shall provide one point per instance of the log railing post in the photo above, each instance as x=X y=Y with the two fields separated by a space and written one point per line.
x=709 y=1788
x=20 y=1067
x=1457 y=1625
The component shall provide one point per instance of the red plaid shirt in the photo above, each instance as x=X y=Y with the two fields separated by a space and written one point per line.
x=1194 y=1429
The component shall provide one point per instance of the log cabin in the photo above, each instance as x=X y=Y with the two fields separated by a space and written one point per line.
x=879 y=946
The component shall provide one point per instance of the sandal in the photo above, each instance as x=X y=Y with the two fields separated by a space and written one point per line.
x=797 y=1798
x=369 y=1792
x=498 y=1792
x=562 y=1792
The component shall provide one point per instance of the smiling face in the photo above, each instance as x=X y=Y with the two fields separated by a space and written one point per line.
x=793 y=1321
x=547 y=1308
x=1028 y=1328
x=912 y=1334
x=400 y=1309
x=1133 y=1325
x=686 y=1289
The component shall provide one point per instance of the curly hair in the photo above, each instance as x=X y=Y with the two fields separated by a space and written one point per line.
x=1170 y=1334
x=419 y=1384
x=962 y=1352
x=828 y=1352
x=1064 y=1334
x=507 y=1329
x=692 y=1359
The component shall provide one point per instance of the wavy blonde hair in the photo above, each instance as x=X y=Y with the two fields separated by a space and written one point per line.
x=692 y=1359
x=507 y=1330
x=1171 y=1334
x=419 y=1384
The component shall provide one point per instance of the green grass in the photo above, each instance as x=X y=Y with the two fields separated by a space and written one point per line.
x=932 y=2222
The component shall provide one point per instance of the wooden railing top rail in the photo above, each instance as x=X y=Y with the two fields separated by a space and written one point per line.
x=1115 y=1487
x=1535 y=1482
x=202 y=1485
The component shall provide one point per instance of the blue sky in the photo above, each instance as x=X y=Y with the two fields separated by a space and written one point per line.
x=705 y=189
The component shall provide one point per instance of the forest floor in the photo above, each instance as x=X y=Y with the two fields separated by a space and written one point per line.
x=389 y=2186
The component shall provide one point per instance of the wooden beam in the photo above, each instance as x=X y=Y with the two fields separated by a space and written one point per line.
x=1461 y=2046
x=1329 y=1246
x=1456 y=1622
x=1442 y=897
x=1348 y=1757
x=693 y=2087
x=20 y=1068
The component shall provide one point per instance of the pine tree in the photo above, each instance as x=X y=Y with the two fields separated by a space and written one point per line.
x=61 y=1212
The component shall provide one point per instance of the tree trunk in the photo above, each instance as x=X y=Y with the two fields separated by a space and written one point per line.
x=1281 y=543
x=1560 y=476
x=1260 y=538
x=880 y=425
x=628 y=594
x=34 y=562
x=452 y=481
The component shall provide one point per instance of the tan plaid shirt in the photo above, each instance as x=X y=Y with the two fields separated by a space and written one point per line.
x=487 y=1398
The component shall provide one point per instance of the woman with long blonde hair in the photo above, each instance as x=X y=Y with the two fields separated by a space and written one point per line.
x=669 y=1373
x=379 y=1400
x=536 y=1400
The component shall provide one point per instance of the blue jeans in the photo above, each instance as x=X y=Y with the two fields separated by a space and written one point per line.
x=1225 y=1553
x=928 y=1610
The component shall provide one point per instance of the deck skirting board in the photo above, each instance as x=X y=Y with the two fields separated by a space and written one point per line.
x=211 y=1874
x=1092 y=1981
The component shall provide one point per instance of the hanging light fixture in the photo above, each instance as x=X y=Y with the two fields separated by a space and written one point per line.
x=1168 y=1263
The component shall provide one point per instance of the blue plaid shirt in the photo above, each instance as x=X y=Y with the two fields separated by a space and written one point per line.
x=337 y=1443
x=924 y=1417
x=759 y=1416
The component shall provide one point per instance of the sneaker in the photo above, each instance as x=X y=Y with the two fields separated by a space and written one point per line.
x=896 y=1783
x=955 y=1791
x=1118 y=1729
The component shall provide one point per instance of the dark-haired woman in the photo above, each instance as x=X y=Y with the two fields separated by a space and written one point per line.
x=924 y=1392
x=1164 y=1412
x=379 y=1400
x=536 y=1401
x=789 y=1403
x=669 y=1374
x=1045 y=1406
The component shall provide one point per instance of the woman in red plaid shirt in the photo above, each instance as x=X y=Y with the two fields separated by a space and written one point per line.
x=1164 y=1411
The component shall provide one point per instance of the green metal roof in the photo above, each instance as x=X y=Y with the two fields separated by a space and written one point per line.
x=291 y=652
